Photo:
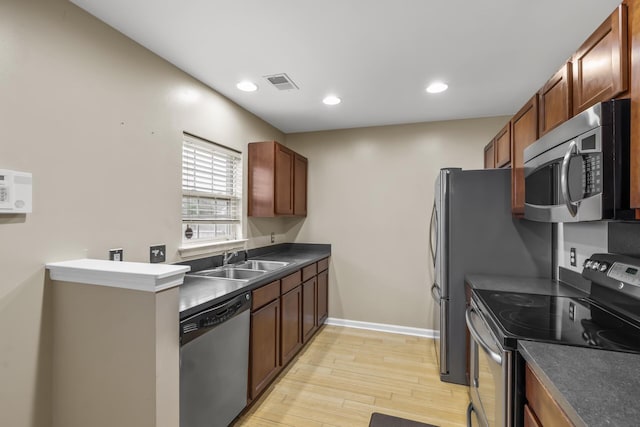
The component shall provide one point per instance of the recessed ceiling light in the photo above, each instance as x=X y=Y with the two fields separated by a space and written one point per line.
x=247 y=86
x=332 y=100
x=437 y=87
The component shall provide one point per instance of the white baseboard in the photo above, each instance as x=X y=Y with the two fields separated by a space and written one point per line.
x=394 y=329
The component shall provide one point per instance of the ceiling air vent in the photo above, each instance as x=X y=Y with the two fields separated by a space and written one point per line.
x=281 y=81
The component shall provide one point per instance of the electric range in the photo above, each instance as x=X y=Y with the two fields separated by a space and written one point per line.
x=608 y=318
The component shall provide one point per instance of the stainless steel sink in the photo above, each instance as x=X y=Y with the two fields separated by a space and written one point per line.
x=256 y=264
x=231 y=273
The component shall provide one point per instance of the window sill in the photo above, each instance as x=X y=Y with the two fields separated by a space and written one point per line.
x=204 y=248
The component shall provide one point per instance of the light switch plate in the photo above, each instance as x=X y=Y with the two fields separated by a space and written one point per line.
x=572 y=257
x=157 y=253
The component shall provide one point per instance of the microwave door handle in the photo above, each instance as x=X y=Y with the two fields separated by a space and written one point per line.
x=564 y=179
x=476 y=336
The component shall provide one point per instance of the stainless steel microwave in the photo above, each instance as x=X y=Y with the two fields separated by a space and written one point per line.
x=579 y=171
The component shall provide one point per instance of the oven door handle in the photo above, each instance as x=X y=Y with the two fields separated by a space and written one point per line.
x=476 y=336
x=564 y=179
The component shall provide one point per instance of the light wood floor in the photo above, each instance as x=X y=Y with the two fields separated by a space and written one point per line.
x=346 y=374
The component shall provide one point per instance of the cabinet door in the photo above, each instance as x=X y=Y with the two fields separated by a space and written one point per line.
x=265 y=347
x=502 y=146
x=489 y=156
x=524 y=131
x=600 y=64
x=284 y=159
x=308 y=309
x=322 y=298
x=555 y=100
x=291 y=338
x=300 y=186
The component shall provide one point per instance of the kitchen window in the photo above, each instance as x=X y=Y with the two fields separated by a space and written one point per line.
x=211 y=192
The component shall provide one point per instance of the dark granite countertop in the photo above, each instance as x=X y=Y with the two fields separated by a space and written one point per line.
x=198 y=293
x=593 y=387
x=529 y=285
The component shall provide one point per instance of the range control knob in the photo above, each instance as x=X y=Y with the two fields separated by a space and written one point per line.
x=595 y=265
x=603 y=267
x=587 y=263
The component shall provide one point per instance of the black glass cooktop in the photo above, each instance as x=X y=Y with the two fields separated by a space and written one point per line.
x=555 y=319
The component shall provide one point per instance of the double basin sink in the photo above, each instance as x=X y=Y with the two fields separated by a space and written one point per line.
x=242 y=271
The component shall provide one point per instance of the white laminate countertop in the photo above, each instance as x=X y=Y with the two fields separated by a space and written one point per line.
x=137 y=276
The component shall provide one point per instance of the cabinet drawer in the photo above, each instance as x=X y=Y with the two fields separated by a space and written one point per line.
x=323 y=264
x=530 y=419
x=265 y=295
x=542 y=403
x=291 y=281
x=309 y=271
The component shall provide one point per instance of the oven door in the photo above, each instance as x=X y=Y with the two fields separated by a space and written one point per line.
x=491 y=382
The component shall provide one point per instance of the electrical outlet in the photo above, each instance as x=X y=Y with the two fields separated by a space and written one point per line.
x=157 y=253
x=572 y=257
x=116 y=254
x=273 y=237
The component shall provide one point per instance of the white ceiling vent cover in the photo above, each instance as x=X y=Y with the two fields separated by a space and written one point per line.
x=281 y=81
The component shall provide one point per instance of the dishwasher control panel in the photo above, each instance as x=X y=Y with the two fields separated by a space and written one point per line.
x=196 y=325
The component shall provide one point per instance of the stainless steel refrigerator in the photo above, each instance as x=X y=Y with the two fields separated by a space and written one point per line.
x=473 y=232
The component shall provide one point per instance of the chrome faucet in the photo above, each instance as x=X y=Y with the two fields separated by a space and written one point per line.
x=227 y=257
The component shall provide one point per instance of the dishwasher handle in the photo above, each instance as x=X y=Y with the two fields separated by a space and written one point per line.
x=196 y=325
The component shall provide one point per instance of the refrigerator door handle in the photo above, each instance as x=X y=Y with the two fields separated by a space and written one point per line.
x=433 y=224
x=435 y=293
x=444 y=337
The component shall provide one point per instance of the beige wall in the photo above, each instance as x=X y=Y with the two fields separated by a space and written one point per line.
x=98 y=121
x=370 y=196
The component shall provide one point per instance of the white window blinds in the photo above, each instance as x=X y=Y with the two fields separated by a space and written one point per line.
x=211 y=191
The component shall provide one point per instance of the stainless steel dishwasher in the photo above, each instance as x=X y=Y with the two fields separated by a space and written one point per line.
x=214 y=363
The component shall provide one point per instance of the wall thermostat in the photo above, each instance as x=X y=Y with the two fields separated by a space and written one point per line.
x=15 y=192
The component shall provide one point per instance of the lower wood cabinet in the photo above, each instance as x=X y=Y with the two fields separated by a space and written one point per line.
x=541 y=408
x=291 y=337
x=530 y=420
x=309 y=323
x=284 y=316
x=264 y=347
x=322 y=299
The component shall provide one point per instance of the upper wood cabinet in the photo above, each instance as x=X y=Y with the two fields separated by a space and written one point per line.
x=600 y=65
x=489 y=156
x=634 y=31
x=502 y=146
x=277 y=181
x=283 y=173
x=555 y=100
x=300 y=185
x=524 y=131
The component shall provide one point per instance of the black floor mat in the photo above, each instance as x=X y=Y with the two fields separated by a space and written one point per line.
x=382 y=420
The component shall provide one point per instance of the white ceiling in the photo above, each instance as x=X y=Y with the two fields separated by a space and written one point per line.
x=377 y=55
